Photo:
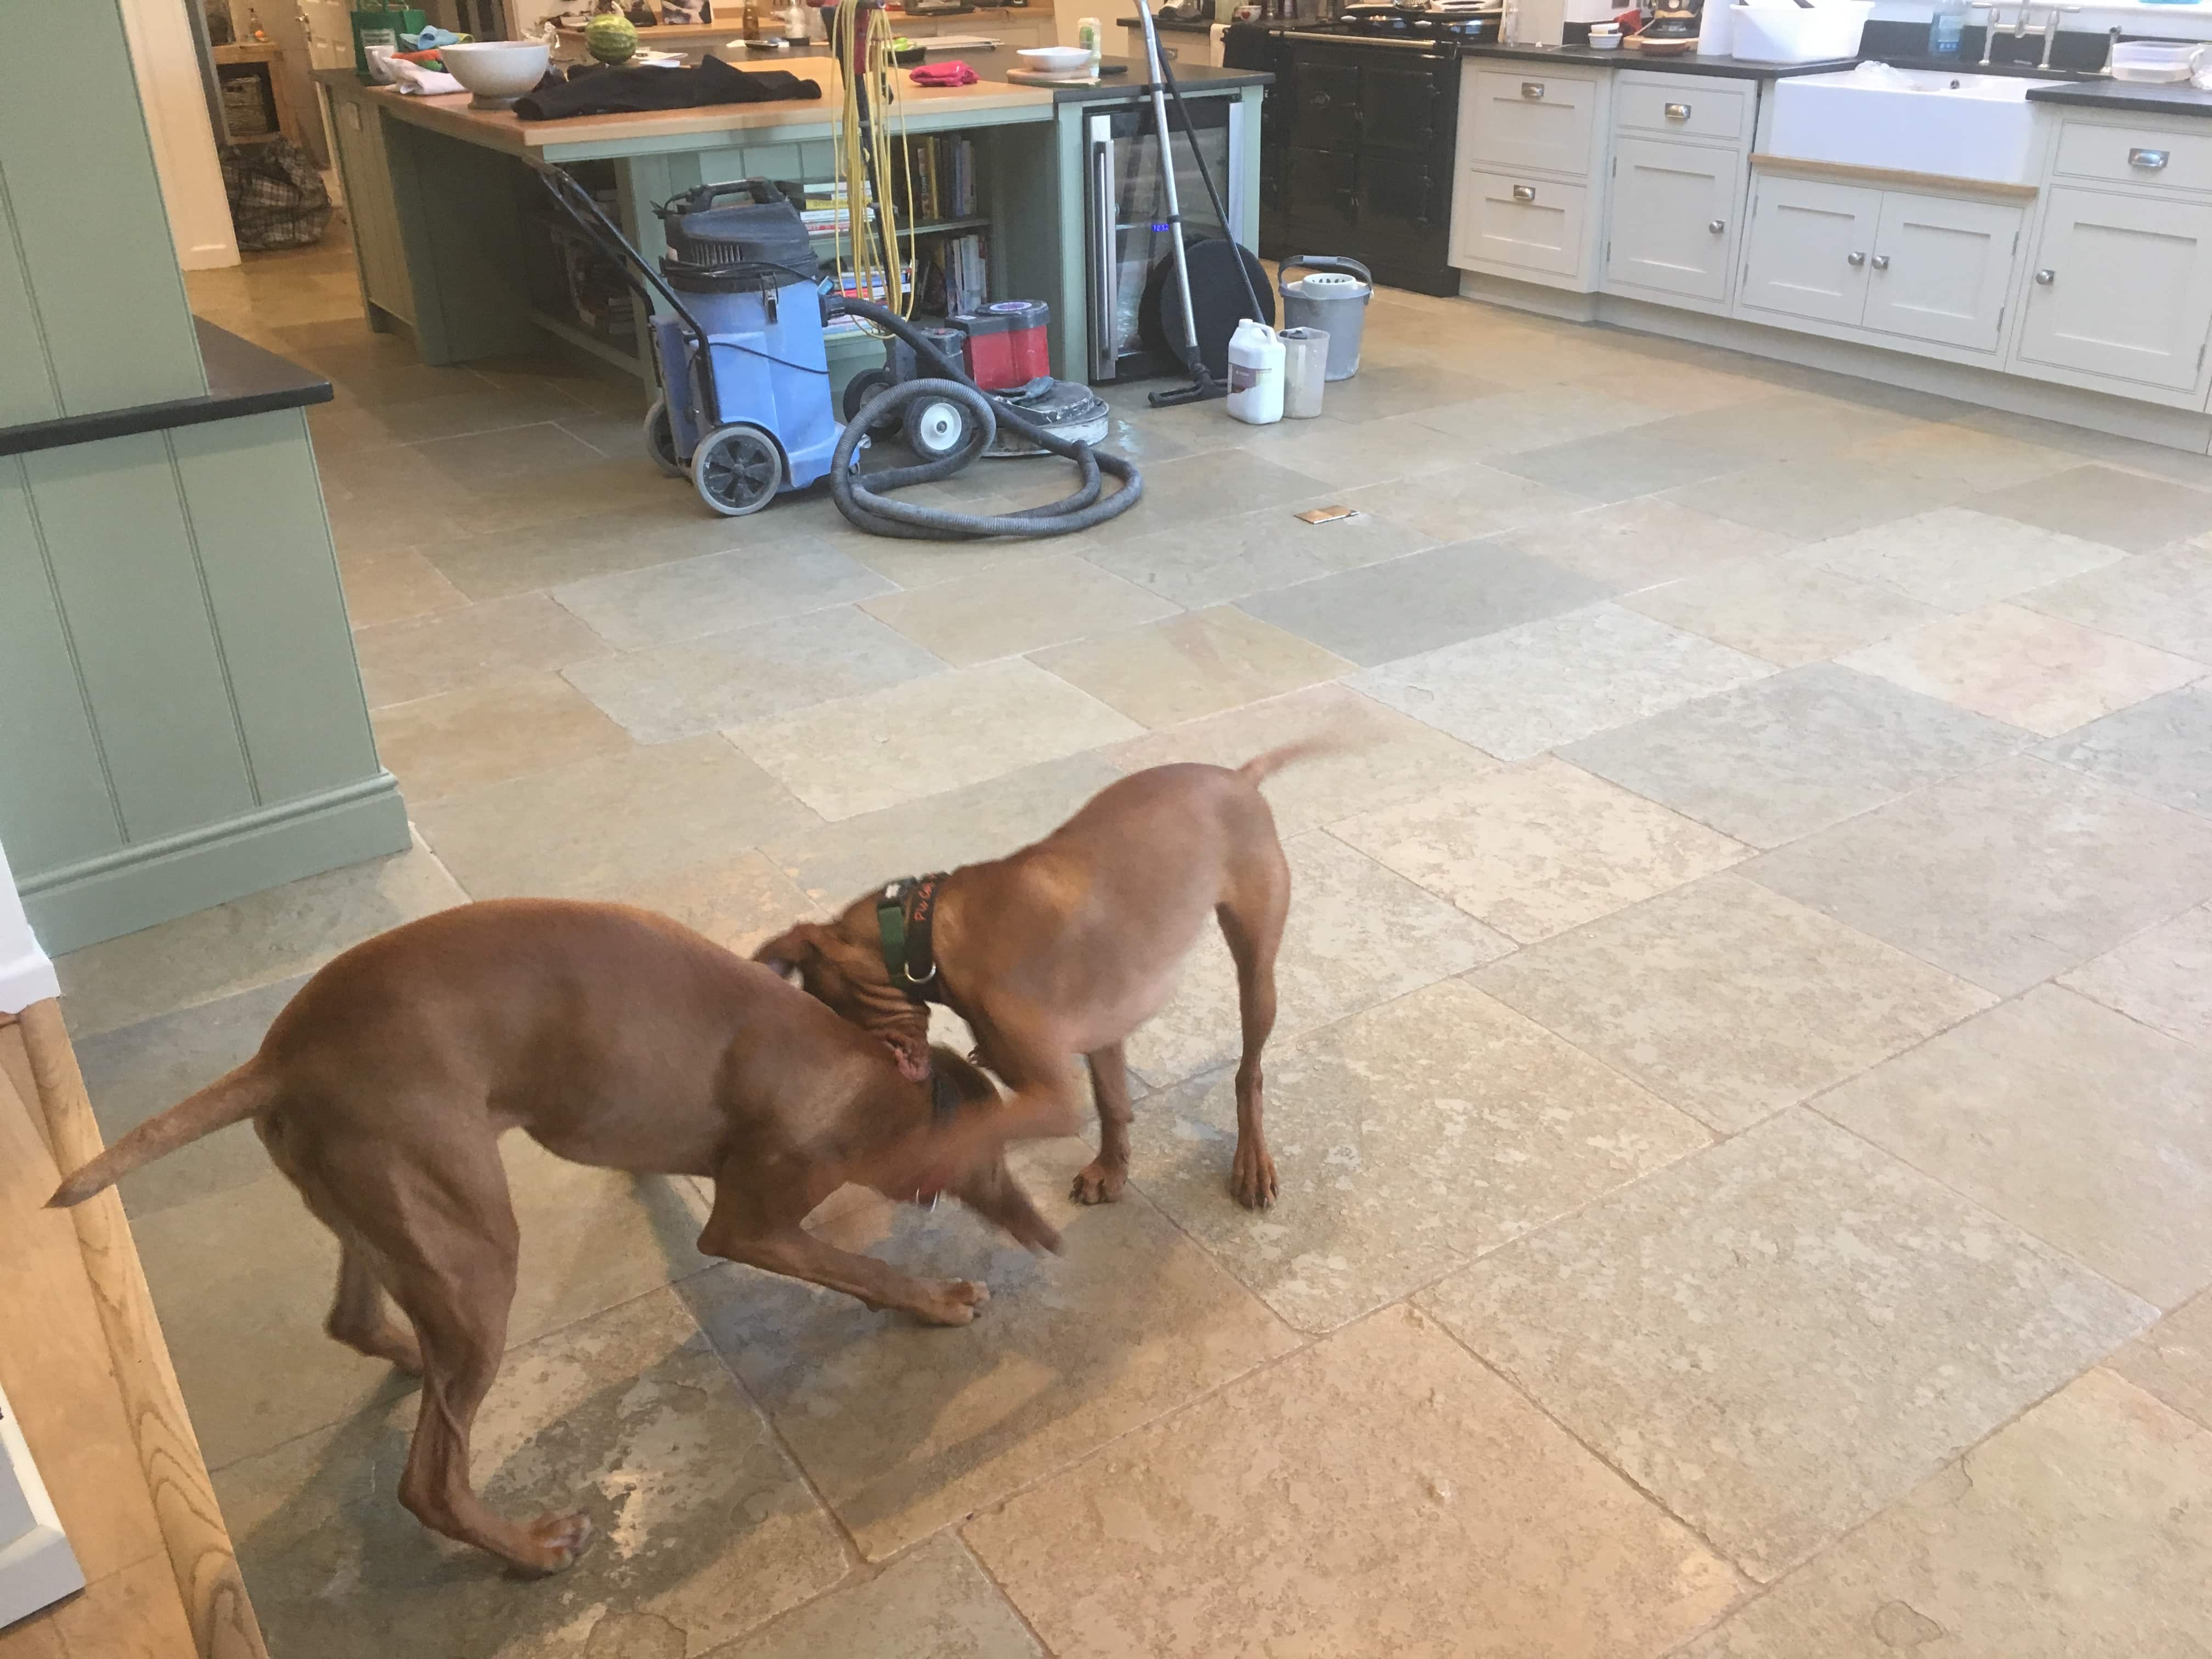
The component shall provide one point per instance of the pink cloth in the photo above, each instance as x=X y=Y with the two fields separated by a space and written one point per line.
x=952 y=73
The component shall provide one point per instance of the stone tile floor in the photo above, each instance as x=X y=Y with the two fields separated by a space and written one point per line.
x=1742 y=1093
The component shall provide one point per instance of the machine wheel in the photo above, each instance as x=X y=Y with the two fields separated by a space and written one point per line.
x=936 y=427
x=660 y=440
x=737 y=468
x=863 y=387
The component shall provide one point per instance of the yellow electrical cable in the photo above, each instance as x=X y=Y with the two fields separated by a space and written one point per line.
x=854 y=156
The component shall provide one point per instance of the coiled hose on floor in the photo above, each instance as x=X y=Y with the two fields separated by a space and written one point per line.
x=859 y=495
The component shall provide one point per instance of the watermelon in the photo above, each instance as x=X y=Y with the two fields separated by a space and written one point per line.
x=610 y=38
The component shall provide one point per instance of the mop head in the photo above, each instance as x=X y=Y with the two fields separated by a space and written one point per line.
x=1066 y=409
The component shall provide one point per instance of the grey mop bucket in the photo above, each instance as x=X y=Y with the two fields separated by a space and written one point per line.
x=1331 y=296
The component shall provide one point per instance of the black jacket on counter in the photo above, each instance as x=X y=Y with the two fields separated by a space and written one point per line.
x=633 y=91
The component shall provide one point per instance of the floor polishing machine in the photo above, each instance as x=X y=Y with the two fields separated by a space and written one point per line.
x=745 y=408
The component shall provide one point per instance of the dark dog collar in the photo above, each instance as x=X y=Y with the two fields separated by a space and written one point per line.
x=906 y=916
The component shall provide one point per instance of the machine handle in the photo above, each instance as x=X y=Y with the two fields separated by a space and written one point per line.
x=1524 y=192
x=1678 y=111
x=701 y=196
x=1102 y=258
x=1716 y=226
x=2045 y=277
x=1881 y=262
x=1532 y=88
x=2151 y=159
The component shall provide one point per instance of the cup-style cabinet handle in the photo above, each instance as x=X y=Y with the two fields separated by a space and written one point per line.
x=1524 y=192
x=1716 y=226
x=2045 y=277
x=1678 y=111
x=1881 y=262
x=2150 y=159
x=1532 y=88
x=1855 y=258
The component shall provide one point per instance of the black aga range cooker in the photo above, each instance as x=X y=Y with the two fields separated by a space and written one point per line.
x=1357 y=133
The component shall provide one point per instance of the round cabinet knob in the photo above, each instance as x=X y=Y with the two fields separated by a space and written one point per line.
x=1716 y=226
x=2045 y=277
x=1855 y=258
x=1881 y=262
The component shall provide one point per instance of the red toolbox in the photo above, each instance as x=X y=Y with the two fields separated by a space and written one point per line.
x=1006 y=344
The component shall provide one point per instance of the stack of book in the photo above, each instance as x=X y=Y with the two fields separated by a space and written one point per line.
x=940 y=175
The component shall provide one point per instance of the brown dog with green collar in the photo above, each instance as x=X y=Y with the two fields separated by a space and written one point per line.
x=611 y=1036
x=1067 y=946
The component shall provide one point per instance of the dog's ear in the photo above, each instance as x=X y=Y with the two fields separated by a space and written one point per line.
x=911 y=1052
x=789 y=949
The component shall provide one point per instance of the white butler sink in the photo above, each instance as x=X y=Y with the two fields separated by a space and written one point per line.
x=1960 y=125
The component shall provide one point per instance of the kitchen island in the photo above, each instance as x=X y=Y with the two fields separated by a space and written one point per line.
x=459 y=246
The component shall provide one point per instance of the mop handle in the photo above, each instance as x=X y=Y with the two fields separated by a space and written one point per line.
x=1167 y=180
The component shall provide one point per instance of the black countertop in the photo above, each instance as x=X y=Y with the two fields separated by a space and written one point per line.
x=1194 y=78
x=1167 y=24
x=242 y=380
x=1669 y=63
x=2143 y=98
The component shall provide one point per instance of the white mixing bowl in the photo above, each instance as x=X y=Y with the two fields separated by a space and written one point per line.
x=498 y=71
x=1054 y=60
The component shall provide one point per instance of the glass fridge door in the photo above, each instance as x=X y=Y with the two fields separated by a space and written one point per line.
x=1128 y=228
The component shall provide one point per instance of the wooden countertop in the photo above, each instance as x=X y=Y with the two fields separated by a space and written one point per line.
x=927 y=109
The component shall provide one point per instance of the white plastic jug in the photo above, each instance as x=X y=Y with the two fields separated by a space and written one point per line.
x=1255 y=374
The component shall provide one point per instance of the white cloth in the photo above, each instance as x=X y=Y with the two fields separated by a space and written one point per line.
x=409 y=77
x=26 y=976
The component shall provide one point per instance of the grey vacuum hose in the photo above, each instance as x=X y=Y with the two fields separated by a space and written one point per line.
x=858 y=495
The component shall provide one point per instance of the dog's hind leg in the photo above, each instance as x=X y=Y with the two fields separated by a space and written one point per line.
x=359 y=1317
x=1100 y=1181
x=1252 y=922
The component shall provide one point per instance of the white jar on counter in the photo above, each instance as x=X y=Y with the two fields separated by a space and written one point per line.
x=1255 y=374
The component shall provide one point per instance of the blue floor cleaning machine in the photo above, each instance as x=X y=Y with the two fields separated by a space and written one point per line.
x=745 y=410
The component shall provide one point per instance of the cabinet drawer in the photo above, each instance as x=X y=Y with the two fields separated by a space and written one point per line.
x=2135 y=155
x=1539 y=122
x=1718 y=110
x=1530 y=225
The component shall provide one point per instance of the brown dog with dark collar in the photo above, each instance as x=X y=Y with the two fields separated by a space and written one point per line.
x=611 y=1036
x=1067 y=946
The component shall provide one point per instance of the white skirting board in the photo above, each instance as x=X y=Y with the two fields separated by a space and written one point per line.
x=37 y=1566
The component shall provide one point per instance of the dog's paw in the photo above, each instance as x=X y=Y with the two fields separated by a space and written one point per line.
x=1098 y=1183
x=559 y=1539
x=955 y=1302
x=1252 y=1179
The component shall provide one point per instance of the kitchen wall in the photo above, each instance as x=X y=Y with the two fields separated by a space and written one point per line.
x=2185 y=22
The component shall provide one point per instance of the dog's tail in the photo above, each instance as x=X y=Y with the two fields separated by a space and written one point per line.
x=1260 y=768
x=229 y=1099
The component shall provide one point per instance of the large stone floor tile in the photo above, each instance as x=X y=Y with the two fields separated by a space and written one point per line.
x=1415 y=603
x=437 y=746
x=1636 y=544
x=719 y=592
x=738 y=900
x=935 y=1603
x=1467 y=501
x=1248 y=553
x=1780 y=1336
x=2081 y=1530
x=2162 y=599
x=2173 y=1359
x=1781 y=424
x=2102 y=503
x=1728 y=1001
x=137 y=1072
x=2041 y=672
x=1635 y=462
x=1539 y=417
x=588 y=829
x=1536 y=849
x=1784 y=613
x=864 y=753
x=477 y=645
x=1346 y=455
x=242 y=1280
x=1782 y=757
x=2162 y=977
x=1975 y=460
x=2005 y=876
x=1357 y=935
x=392 y=584
x=1956 y=559
x=2161 y=748
x=1379 y=1493
x=597 y=544
x=669 y=692
x=1406 y=1138
x=1196 y=488
x=1191 y=665
x=1810 y=497
x=1377 y=757
x=703 y=1529
x=1545 y=684
x=2085 y=1127
x=248 y=942
x=905 y=1428
x=835 y=863
x=1019 y=608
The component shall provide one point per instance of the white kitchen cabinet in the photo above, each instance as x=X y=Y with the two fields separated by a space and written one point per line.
x=1673 y=226
x=1940 y=268
x=1531 y=119
x=1809 y=242
x=1534 y=228
x=2120 y=299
